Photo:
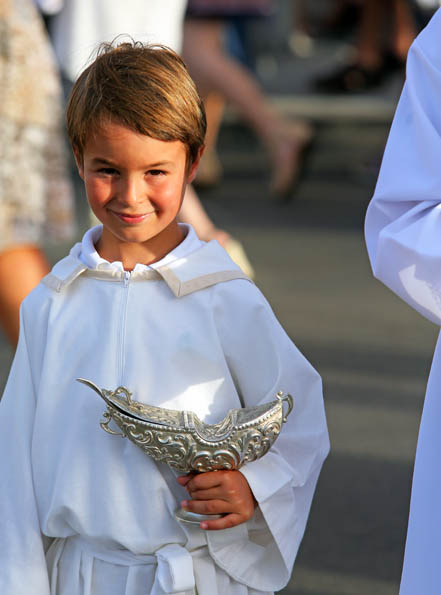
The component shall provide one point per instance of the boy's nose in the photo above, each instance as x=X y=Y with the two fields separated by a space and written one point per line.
x=130 y=191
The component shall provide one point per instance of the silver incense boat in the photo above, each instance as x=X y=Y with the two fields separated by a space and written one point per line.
x=188 y=445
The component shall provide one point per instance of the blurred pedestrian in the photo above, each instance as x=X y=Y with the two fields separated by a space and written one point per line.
x=403 y=230
x=217 y=73
x=35 y=193
x=386 y=30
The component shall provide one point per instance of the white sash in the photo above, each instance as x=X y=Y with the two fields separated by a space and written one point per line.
x=175 y=571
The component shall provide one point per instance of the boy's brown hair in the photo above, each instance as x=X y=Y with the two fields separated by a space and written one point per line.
x=144 y=87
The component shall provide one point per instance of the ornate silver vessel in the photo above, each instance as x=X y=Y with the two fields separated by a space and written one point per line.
x=184 y=442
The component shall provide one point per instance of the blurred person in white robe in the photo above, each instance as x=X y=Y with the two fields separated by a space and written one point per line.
x=403 y=235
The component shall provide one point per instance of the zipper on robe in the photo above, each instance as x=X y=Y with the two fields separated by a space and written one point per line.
x=122 y=326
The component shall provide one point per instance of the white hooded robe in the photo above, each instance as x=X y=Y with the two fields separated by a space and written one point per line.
x=189 y=332
x=403 y=234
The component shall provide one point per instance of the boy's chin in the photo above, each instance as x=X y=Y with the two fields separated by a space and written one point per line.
x=164 y=238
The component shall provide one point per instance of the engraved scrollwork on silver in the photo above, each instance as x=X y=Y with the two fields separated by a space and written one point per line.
x=104 y=423
x=182 y=441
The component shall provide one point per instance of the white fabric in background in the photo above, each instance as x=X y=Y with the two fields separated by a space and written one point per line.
x=109 y=507
x=49 y=6
x=81 y=25
x=403 y=234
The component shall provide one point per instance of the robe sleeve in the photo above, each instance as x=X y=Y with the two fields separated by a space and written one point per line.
x=403 y=222
x=262 y=361
x=23 y=567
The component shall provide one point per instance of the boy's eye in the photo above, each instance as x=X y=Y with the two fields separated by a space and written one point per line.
x=107 y=170
x=156 y=172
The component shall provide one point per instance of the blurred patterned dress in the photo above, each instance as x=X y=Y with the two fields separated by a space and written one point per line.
x=35 y=194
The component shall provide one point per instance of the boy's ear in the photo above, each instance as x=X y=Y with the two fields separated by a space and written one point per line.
x=194 y=166
x=79 y=161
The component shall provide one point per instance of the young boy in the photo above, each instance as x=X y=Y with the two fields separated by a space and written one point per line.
x=403 y=234
x=141 y=302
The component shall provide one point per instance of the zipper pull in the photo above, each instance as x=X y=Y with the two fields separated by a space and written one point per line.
x=126 y=278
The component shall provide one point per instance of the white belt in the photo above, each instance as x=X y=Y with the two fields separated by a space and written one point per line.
x=174 y=572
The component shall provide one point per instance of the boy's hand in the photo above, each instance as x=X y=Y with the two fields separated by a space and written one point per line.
x=219 y=492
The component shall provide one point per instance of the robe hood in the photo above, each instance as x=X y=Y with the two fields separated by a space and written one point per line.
x=205 y=266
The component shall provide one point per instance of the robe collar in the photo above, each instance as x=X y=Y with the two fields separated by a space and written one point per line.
x=90 y=257
x=191 y=266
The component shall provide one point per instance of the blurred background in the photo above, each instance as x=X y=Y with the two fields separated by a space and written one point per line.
x=300 y=96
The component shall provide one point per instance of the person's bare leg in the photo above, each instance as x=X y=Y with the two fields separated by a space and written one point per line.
x=378 y=15
x=21 y=269
x=214 y=108
x=405 y=29
x=210 y=169
x=193 y=212
x=369 y=50
x=214 y=70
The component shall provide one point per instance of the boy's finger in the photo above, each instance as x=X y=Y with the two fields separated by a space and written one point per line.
x=184 y=479
x=209 y=494
x=226 y=522
x=203 y=481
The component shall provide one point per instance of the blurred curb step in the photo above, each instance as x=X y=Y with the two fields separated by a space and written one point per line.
x=329 y=107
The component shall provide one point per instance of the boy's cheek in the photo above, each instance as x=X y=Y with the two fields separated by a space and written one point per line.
x=98 y=189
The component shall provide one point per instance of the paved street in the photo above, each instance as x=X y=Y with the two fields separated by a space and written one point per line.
x=372 y=350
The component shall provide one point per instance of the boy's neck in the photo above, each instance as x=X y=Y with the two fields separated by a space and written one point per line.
x=132 y=253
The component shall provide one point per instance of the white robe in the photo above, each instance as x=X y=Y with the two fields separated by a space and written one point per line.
x=403 y=234
x=180 y=335
x=79 y=26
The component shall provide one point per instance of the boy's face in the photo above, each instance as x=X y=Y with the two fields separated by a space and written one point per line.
x=135 y=185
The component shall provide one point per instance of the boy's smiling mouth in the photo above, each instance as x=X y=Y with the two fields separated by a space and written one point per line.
x=132 y=218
